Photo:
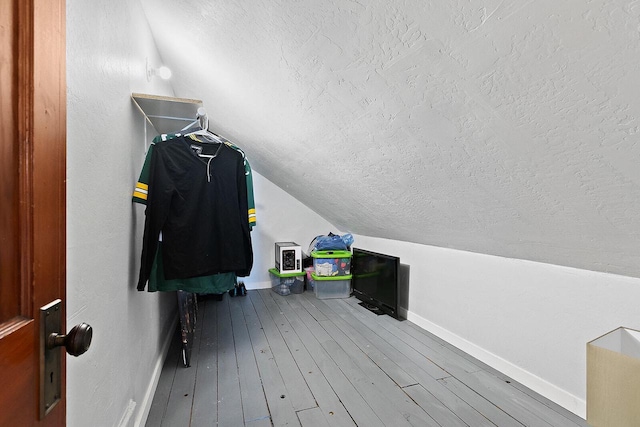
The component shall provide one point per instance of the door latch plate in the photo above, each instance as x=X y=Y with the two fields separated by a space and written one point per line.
x=50 y=358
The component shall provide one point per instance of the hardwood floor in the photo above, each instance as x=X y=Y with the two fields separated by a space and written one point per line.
x=265 y=359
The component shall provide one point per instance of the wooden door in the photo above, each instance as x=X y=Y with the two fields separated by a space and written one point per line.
x=32 y=198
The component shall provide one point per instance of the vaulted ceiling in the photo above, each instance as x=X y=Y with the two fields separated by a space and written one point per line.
x=503 y=127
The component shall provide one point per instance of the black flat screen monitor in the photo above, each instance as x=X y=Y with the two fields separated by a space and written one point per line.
x=375 y=281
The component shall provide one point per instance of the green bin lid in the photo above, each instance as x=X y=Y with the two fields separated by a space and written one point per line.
x=331 y=254
x=275 y=272
x=321 y=278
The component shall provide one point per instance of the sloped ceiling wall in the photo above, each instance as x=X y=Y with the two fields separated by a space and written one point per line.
x=502 y=127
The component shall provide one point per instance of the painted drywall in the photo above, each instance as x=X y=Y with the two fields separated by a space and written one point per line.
x=108 y=45
x=529 y=320
x=507 y=128
x=110 y=385
x=280 y=218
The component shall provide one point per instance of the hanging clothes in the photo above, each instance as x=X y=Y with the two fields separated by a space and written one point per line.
x=249 y=179
x=141 y=188
x=197 y=196
x=211 y=284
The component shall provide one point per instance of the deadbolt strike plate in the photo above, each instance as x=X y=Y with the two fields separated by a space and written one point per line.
x=50 y=358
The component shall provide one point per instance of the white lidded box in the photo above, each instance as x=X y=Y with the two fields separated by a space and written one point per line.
x=288 y=257
x=332 y=286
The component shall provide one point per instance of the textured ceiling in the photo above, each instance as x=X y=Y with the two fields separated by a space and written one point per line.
x=507 y=127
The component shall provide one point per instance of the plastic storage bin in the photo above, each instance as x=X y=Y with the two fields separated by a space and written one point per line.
x=286 y=283
x=308 y=279
x=331 y=287
x=331 y=263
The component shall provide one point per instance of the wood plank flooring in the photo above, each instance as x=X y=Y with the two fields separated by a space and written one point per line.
x=271 y=360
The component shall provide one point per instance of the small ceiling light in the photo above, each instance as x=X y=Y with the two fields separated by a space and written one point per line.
x=163 y=72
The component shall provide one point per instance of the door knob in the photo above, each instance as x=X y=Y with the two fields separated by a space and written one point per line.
x=76 y=342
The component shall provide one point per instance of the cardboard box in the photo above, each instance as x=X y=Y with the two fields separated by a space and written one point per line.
x=613 y=379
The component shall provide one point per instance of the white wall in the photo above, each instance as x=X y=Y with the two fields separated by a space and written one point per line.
x=511 y=125
x=280 y=218
x=529 y=320
x=113 y=383
x=107 y=44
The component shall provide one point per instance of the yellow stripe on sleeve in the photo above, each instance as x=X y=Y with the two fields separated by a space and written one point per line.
x=141 y=191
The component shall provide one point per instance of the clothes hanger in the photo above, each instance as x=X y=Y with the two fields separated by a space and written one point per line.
x=203 y=123
x=202 y=120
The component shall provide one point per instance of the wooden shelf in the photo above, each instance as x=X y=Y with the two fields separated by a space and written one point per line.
x=167 y=114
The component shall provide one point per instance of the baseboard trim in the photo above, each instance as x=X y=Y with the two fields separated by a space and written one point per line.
x=125 y=420
x=561 y=397
x=145 y=407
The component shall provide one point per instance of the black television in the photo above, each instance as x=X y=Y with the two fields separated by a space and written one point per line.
x=374 y=280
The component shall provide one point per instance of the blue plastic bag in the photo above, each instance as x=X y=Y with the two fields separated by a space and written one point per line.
x=331 y=242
